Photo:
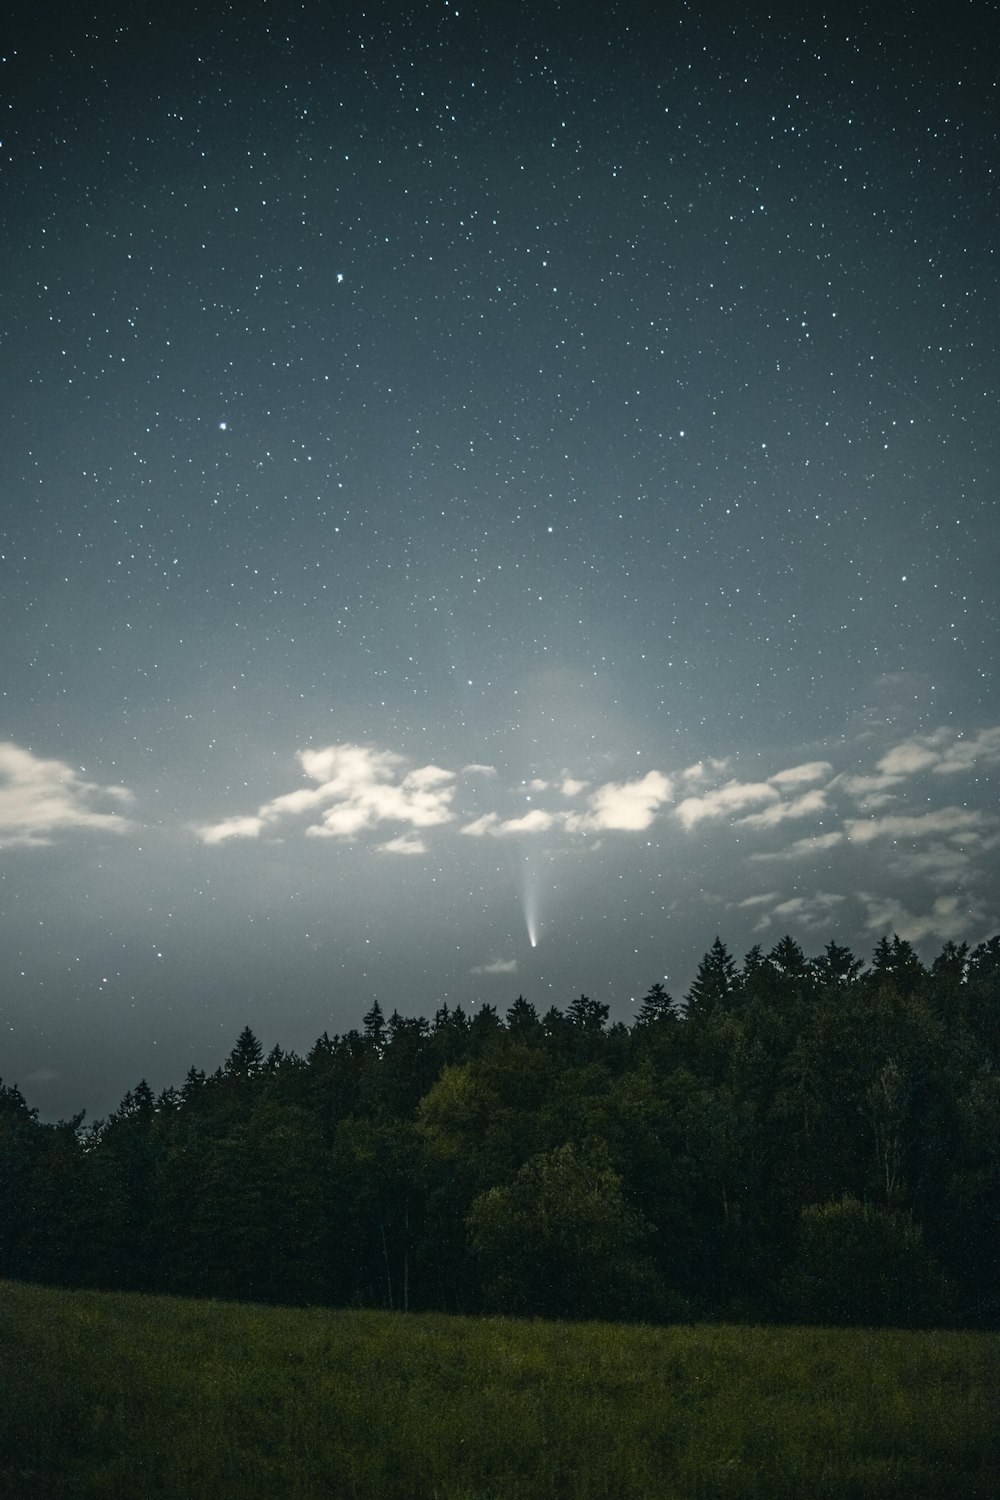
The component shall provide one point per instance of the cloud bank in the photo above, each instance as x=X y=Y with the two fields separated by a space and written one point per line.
x=40 y=799
x=358 y=787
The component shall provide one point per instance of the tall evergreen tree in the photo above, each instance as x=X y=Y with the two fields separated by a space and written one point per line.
x=374 y=1024
x=522 y=1020
x=897 y=962
x=247 y=1056
x=716 y=984
x=656 y=1006
x=589 y=1015
x=836 y=965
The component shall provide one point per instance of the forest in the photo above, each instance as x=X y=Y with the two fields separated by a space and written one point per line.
x=806 y=1140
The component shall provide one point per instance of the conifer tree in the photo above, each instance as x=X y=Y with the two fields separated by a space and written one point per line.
x=656 y=1006
x=374 y=1024
x=716 y=984
x=522 y=1020
x=589 y=1015
x=246 y=1057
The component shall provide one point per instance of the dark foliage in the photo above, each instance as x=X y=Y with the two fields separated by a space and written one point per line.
x=801 y=1139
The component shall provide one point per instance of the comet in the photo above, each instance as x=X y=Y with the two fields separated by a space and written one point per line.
x=530 y=900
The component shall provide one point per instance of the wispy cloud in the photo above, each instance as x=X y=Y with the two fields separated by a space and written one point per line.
x=351 y=792
x=237 y=827
x=948 y=917
x=724 y=801
x=967 y=754
x=625 y=806
x=496 y=966
x=813 y=770
x=778 y=812
x=942 y=864
x=944 y=820
x=801 y=911
x=40 y=799
x=358 y=788
x=703 y=770
x=406 y=843
x=868 y=791
x=904 y=760
x=802 y=848
x=944 y=751
x=535 y=821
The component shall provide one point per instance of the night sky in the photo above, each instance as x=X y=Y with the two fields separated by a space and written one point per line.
x=490 y=497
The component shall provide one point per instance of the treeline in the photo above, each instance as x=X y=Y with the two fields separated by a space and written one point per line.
x=798 y=1138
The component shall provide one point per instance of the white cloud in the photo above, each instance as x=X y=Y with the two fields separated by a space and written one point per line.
x=628 y=806
x=359 y=787
x=427 y=778
x=345 y=766
x=480 y=826
x=871 y=791
x=345 y=820
x=946 y=820
x=947 y=918
x=570 y=787
x=406 y=843
x=496 y=966
x=475 y=768
x=804 y=847
x=232 y=828
x=538 y=785
x=703 y=769
x=724 y=801
x=945 y=751
x=983 y=749
x=802 y=911
x=941 y=864
x=904 y=760
x=535 y=821
x=813 y=770
x=811 y=908
x=294 y=803
x=764 y=900
x=799 y=807
x=42 y=798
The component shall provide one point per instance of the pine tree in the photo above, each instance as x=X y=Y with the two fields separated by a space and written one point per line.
x=837 y=965
x=522 y=1020
x=788 y=958
x=246 y=1057
x=589 y=1015
x=897 y=961
x=716 y=984
x=374 y=1024
x=656 y=1006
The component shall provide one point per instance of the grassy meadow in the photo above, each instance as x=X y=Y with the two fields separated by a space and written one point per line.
x=138 y=1398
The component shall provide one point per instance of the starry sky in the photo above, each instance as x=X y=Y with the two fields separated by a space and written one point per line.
x=490 y=497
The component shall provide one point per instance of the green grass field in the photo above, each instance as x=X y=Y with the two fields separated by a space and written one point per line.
x=138 y=1398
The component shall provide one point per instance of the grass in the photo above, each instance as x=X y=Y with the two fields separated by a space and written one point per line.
x=107 y=1397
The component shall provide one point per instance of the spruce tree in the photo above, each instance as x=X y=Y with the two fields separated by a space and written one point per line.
x=246 y=1057
x=716 y=984
x=656 y=1006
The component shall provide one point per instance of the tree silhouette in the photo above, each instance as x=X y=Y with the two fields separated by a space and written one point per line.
x=246 y=1057
x=715 y=985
